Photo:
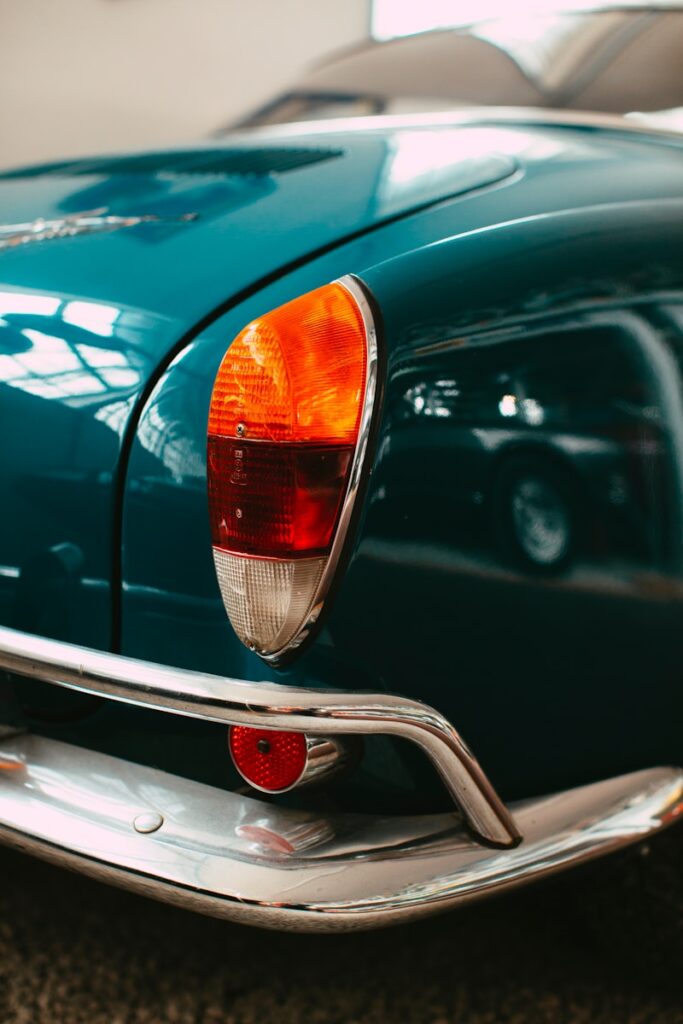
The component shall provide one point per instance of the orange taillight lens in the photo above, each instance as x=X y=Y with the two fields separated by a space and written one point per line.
x=296 y=374
x=284 y=423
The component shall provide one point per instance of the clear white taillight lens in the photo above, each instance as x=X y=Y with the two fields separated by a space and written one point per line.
x=266 y=599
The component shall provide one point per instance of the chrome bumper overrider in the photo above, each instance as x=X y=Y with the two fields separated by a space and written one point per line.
x=249 y=860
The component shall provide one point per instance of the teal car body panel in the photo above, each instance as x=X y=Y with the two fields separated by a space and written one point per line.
x=90 y=314
x=549 y=226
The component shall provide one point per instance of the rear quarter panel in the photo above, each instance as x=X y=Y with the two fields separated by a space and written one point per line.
x=553 y=680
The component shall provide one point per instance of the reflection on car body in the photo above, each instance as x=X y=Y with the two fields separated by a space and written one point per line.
x=551 y=448
x=371 y=473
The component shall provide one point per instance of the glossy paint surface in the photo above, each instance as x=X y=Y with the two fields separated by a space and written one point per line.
x=525 y=659
x=526 y=509
x=105 y=266
x=414 y=568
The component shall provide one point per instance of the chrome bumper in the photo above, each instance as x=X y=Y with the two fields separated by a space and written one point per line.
x=249 y=860
x=269 y=706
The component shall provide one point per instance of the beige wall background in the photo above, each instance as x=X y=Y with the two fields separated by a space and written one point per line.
x=93 y=76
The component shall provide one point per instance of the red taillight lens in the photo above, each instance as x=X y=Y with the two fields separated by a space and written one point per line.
x=268 y=760
x=276 y=500
x=284 y=423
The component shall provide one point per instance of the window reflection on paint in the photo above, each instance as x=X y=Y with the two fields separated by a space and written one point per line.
x=21 y=303
x=456 y=159
x=92 y=316
x=166 y=440
x=101 y=356
x=53 y=362
x=115 y=414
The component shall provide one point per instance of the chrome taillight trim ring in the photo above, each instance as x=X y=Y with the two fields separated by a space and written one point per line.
x=357 y=292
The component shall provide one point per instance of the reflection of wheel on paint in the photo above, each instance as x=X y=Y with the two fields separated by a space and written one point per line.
x=534 y=514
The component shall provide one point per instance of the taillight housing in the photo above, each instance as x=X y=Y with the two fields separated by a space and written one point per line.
x=288 y=432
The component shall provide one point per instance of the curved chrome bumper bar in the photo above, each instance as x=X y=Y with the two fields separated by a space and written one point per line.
x=249 y=860
x=244 y=859
x=269 y=706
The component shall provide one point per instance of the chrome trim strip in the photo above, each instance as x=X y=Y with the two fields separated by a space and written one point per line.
x=269 y=706
x=513 y=116
x=250 y=861
x=357 y=293
x=85 y=223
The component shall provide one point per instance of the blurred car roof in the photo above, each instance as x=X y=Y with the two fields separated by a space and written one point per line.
x=616 y=58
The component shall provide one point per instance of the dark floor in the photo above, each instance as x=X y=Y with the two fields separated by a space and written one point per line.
x=75 y=952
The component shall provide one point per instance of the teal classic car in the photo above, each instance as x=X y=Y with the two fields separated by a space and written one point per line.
x=342 y=506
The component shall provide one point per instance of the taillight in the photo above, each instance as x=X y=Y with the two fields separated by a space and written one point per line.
x=288 y=429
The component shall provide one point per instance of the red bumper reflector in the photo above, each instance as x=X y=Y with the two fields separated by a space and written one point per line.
x=268 y=760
